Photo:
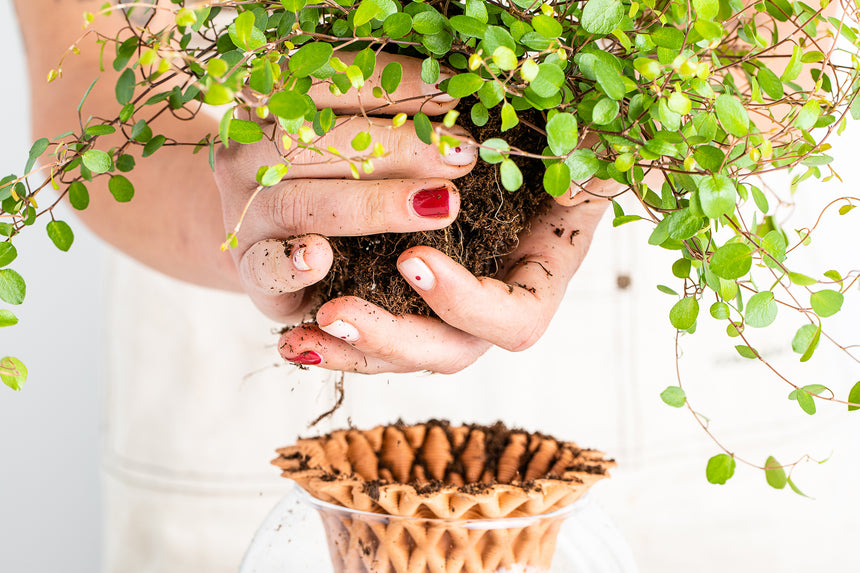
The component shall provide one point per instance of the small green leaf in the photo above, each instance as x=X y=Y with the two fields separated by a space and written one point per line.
x=583 y=163
x=546 y=26
x=8 y=253
x=732 y=115
x=463 y=85
x=479 y=114
x=100 y=129
x=770 y=83
x=746 y=351
x=732 y=261
x=13 y=289
x=361 y=141
x=720 y=469
x=423 y=127
x=96 y=161
x=13 y=373
x=717 y=195
x=761 y=310
x=492 y=150
x=397 y=25
x=774 y=473
x=684 y=313
x=428 y=22
x=556 y=179
x=794 y=488
x=610 y=81
x=391 y=76
x=271 y=175
x=242 y=131
x=512 y=178
x=674 y=396
x=854 y=397
x=804 y=338
x=683 y=224
x=601 y=17
x=808 y=115
x=468 y=26
x=154 y=145
x=311 y=57
x=801 y=279
x=720 y=310
x=60 y=234
x=121 y=188
x=548 y=81
x=125 y=87
x=36 y=150
x=505 y=58
x=667 y=290
x=605 y=111
x=288 y=105
x=7 y=318
x=794 y=67
x=804 y=400
x=706 y=9
x=366 y=62
x=430 y=71
x=509 y=117
x=826 y=302
x=366 y=11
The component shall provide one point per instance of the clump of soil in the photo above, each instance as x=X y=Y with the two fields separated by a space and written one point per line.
x=486 y=229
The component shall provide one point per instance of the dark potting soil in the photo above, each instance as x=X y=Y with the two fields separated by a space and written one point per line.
x=486 y=229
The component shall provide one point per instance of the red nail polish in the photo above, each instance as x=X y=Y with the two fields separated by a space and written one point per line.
x=306 y=358
x=431 y=202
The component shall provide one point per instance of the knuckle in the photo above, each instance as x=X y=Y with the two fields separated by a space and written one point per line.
x=525 y=337
x=283 y=205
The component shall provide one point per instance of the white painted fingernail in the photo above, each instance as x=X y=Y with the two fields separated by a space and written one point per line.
x=299 y=259
x=418 y=273
x=342 y=330
x=434 y=89
x=461 y=155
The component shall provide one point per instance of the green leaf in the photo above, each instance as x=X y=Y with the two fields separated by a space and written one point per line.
x=310 y=58
x=795 y=489
x=121 y=188
x=804 y=400
x=562 y=134
x=683 y=224
x=583 y=163
x=496 y=36
x=366 y=62
x=667 y=290
x=361 y=141
x=601 y=17
x=674 y=396
x=706 y=9
x=154 y=145
x=774 y=473
x=397 y=25
x=96 y=160
x=794 y=67
x=366 y=11
x=546 y=26
x=805 y=338
x=761 y=310
x=684 y=313
x=610 y=82
x=512 y=178
x=428 y=22
x=732 y=261
x=746 y=351
x=801 y=279
x=489 y=153
x=125 y=87
x=271 y=175
x=808 y=115
x=477 y=9
x=288 y=105
x=430 y=71
x=548 y=80
x=468 y=26
x=770 y=83
x=242 y=131
x=8 y=253
x=826 y=302
x=244 y=34
x=7 y=318
x=854 y=397
x=556 y=179
x=100 y=129
x=36 y=150
x=13 y=373
x=13 y=289
x=720 y=310
x=509 y=117
x=391 y=76
x=141 y=131
x=293 y=5
x=60 y=234
x=709 y=157
x=423 y=127
x=720 y=469
x=479 y=114
x=605 y=111
x=505 y=58
x=463 y=85
x=717 y=195
x=732 y=115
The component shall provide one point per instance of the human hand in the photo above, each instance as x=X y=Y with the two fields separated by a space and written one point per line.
x=281 y=246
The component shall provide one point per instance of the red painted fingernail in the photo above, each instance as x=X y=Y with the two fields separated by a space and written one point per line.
x=307 y=358
x=431 y=202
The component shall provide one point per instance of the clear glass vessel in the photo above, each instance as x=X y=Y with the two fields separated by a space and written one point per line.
x=304 y=534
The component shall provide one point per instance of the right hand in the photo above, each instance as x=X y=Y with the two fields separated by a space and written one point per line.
x=281 y=249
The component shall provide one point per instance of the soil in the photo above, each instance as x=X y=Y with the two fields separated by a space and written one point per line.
x=486 y=229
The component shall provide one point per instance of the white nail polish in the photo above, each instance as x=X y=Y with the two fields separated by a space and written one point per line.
x=460 y=155
x=430 y=89
x=299 y=259
x=342 y=330
x=418 y=273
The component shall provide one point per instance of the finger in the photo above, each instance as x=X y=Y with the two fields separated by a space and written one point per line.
x=410 y=342
x=406 y=155
x=348 y=208
x=273 y=272
x=307 y=345
x=410 y=97
x=515 y=313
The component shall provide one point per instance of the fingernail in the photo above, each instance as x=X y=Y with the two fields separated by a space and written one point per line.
x=431 y=202
x=306 y=358
x=299 y=259
x=461 y=155
x=418 y=273
x=434 y=89
x=342 y=330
